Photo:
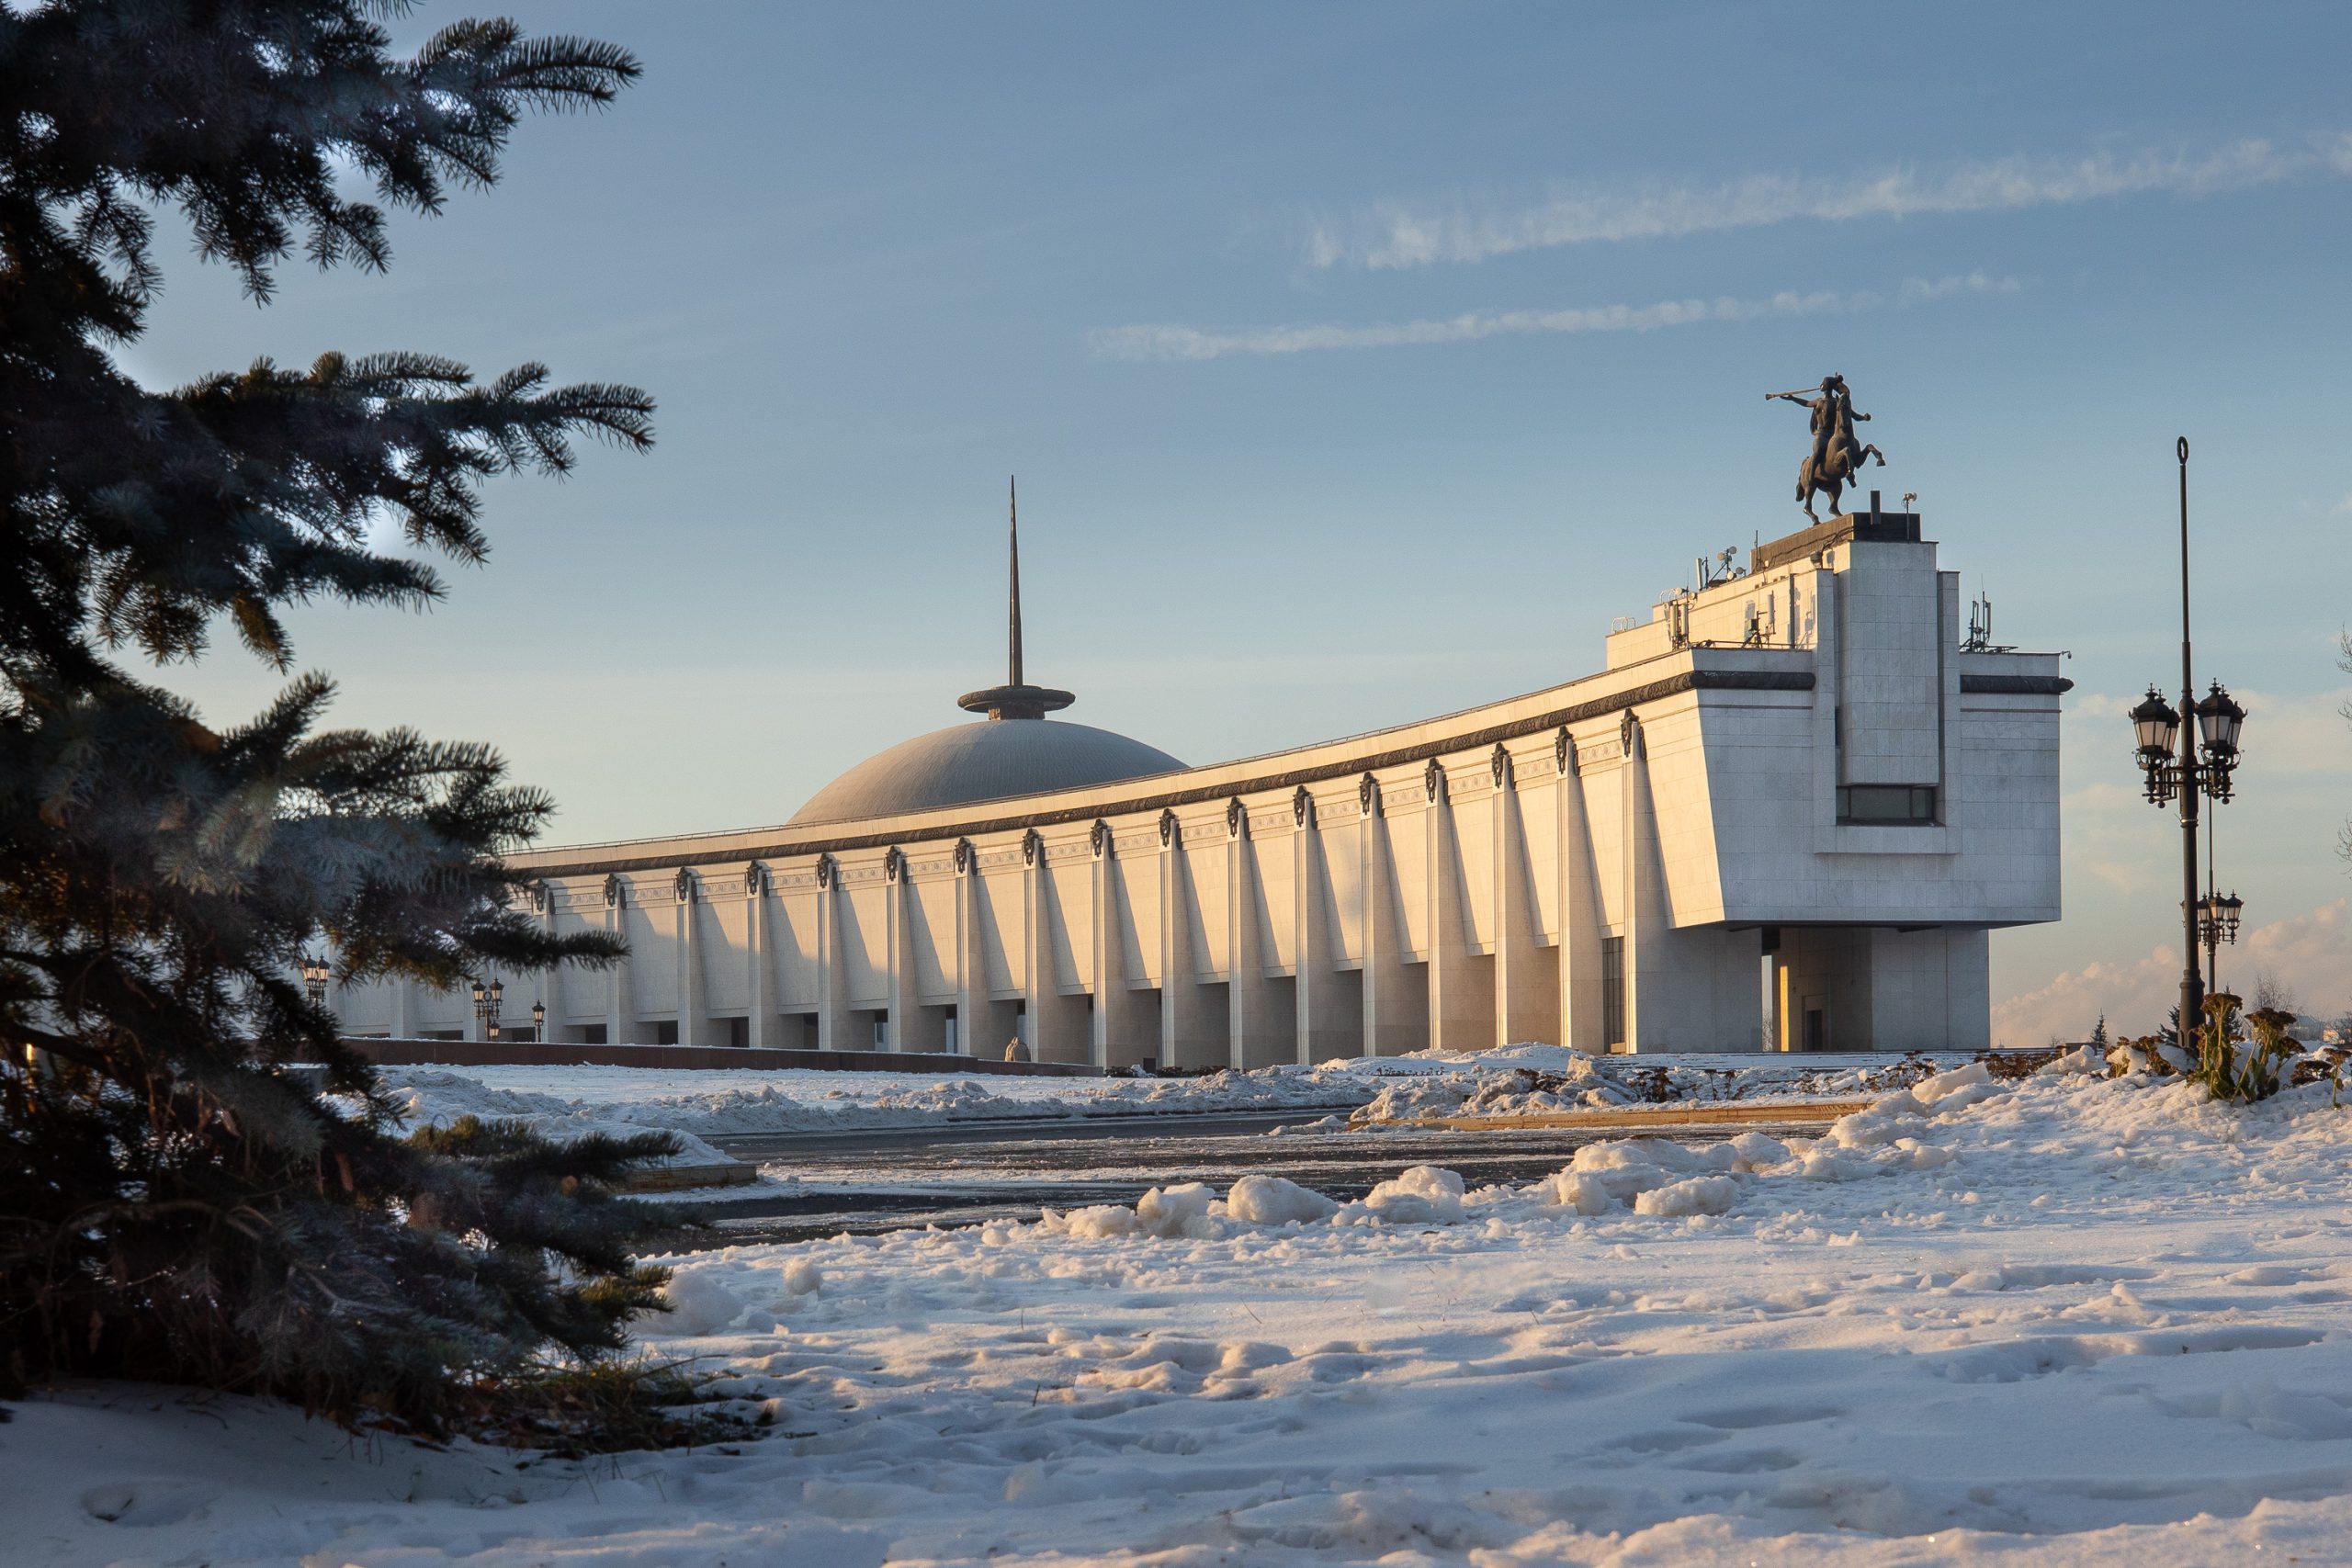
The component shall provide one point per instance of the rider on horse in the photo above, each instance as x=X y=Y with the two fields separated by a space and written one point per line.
x=1836 y=452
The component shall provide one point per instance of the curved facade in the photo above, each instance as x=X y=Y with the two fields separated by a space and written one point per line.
x=1785 y=814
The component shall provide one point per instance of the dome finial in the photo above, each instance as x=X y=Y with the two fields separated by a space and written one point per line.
x=1012 y=504
x=1016 y=698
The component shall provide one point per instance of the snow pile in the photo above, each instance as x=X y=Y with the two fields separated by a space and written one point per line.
x=1581 y=1082
x=1425 y=1195
x=2070 y=1320
x=428 y=1098
x=1274 y=1201
x=1512 y=1080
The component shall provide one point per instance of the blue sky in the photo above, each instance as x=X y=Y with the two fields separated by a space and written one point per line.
x=1361 y=362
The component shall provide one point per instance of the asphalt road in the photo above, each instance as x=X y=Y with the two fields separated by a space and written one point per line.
x=869 y=1181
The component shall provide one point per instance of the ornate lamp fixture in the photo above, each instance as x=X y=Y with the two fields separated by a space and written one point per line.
x=2219 y=718
x=539 y=1020
x=315 y=974
x=2155 y=725
x=486 y=1004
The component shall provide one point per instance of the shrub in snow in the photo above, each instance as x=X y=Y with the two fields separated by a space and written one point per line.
x=2239 y=1071
x=1272 y=1200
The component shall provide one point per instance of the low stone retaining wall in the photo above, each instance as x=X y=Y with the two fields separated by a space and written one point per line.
x=557 y=1053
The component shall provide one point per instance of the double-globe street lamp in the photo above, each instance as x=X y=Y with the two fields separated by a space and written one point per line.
x=486 y=1003
x=316 y=972
x=2178 y=768
x=2217 y=923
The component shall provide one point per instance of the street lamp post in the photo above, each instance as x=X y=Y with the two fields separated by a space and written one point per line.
x=2187 y=776
x=486 y=1001
x=539 y=1022
x=315 y=974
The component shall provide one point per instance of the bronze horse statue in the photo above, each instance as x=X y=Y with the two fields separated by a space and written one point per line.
x=1836 y=458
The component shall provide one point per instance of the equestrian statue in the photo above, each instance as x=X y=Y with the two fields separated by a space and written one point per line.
x=1837 y=457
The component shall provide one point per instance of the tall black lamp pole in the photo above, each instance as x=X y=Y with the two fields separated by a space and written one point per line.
x=2192 y=984
x=2207 y=733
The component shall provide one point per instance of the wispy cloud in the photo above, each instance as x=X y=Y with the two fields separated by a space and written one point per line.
x=1182 y=342
x=2306 y=955
x=1400 y=235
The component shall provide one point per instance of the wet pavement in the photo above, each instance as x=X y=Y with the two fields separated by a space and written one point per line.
x=969 y=1173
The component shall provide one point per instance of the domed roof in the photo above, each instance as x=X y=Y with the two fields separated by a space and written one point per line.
x=1016 y=750
x=988 y=760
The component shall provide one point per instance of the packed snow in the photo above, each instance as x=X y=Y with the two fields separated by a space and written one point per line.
x=2069 y=1319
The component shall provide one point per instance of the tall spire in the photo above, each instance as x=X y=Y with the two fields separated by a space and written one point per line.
x=1013 y=502
x=1016 y=698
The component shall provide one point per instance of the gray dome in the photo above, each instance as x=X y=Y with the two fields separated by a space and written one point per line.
x=986 y=761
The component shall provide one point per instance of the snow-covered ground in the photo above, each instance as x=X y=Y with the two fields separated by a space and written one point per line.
x=2072 y=1321
x=727 y=1100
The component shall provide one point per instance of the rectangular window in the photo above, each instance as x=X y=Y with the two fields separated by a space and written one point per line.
x=1886 y=806
x=739 y=1032
x=1612 y=991
x=588 y=1034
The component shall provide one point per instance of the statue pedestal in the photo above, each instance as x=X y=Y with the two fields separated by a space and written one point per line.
x=1871 y=527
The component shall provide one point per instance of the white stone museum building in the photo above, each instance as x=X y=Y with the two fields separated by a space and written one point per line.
x=1784 y=815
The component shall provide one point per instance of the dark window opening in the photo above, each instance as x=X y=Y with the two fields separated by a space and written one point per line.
x=739 y=1032
x=1612 y=991
x=666 y=1033
x=1886 y=806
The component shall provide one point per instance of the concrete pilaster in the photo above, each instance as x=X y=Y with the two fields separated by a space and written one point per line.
x=1124 y=1029
x=905 y=1022
x=1330 y=1021
x=1396 y=1004
x=982 y=1023
x=833 y=1029
x=1462 y=993
x=1580 y=915
x=1188 y=1038
x=1527 y=991
x=760 y=953
x=1257 y=1033
x=618 y=1027
x=692 y=1028
x=1056 y=1028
